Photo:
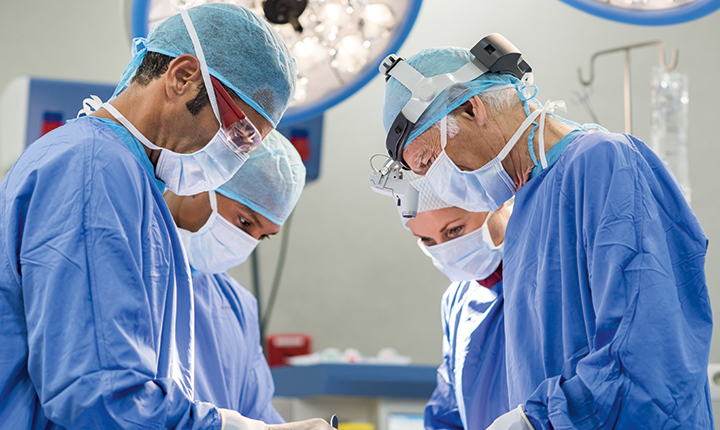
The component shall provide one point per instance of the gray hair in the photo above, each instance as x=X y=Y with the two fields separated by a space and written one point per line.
x=496 y=100
x=500 y=100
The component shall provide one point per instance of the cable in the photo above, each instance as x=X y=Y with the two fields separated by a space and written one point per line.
x=276 y=279
x=372 y=157
x=255 y=264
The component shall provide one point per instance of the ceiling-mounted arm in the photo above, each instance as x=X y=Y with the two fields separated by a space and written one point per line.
x=627 y=48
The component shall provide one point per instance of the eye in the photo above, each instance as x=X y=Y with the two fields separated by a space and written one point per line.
x=427 y=241
x=244 y=222
x=455 y=231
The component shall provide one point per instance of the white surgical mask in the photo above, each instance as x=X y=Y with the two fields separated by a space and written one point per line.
x=190 y=174
x=218 y=245
x=206 y=169
x=488 y=187
x=473 y=256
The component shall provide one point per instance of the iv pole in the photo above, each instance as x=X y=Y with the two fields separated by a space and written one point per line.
x=626 y=87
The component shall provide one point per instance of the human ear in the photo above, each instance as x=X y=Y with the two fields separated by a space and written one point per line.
x=183 y=76
x=478 y=110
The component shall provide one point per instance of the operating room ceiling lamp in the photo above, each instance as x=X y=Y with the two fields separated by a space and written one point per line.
x=647 y=12
x=647 y=4
x=338 y=44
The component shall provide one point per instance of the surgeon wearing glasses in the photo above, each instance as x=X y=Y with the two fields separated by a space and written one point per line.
x=607 y=314
x=96 y=303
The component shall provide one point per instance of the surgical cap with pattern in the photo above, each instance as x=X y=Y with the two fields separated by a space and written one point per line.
x=271 y=180
x=241 y=50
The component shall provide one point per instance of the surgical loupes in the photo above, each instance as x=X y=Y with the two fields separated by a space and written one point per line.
x=492 y=54
x=391 y=180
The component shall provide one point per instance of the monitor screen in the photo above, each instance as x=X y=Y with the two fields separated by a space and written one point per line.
x=405 y=422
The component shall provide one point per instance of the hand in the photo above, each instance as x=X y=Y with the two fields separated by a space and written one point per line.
x=232 y=420
x=313 y=424
x=513 y=420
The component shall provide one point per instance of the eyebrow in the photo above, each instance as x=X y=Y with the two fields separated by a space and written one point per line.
x=427 y=152
x=419 y=156
x=442 y=230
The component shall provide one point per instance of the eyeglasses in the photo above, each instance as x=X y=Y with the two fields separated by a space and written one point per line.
x=242 y=136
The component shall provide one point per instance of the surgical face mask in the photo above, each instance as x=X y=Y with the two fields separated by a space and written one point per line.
x=488 y=187
x=470 y=257
x=219 y=159
x=219 y=245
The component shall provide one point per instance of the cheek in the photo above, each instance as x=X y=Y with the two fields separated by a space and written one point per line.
x=199 y=133
x=207 y=126
x=196 y=218
x=254 y=231
x=458 y=151
x=464 y=152
x=211 y=128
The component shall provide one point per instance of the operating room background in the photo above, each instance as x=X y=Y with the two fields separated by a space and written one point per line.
x=354 y=277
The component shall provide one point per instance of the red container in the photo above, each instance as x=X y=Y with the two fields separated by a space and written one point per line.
x=51 y=121
x=281 y=346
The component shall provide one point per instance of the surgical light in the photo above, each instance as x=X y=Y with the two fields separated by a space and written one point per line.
x=647 y=12
x=352 y=52
x=377 y=21
x=647 y=4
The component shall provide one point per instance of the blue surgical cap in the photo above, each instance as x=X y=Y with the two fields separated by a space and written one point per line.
x=242 y=50
x=432 y=62
x=271 y=180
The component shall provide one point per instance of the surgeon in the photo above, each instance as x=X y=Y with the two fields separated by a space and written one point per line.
x=219 y=230
x=96 y=302
x=607 y=315
x=467 y=247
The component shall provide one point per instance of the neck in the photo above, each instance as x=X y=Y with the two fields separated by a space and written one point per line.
x=138 y=106
x=519 y=163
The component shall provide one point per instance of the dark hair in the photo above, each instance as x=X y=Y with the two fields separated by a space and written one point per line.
x=155 y=65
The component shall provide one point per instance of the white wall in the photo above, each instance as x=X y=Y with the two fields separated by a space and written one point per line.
x=354 y=277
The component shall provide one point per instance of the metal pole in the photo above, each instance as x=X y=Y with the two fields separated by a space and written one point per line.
x=256 y=282
x=627 y=89
x=628 y=104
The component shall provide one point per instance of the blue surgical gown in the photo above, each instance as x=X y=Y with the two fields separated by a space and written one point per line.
x=607 y=313
x=471 y=387
x=230 y=368
x=96 y=303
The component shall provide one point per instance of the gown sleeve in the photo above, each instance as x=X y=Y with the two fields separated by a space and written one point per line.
x=95 y=270
x=632 y=245
x=259 y=387
x=441 y=411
